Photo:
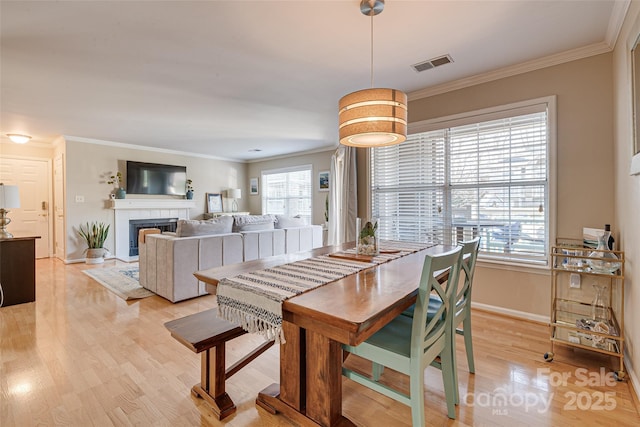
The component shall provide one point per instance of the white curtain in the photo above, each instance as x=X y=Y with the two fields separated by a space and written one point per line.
x=343 y=196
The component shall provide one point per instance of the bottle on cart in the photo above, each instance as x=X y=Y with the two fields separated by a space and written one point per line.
x=601 y=260
x=611 y=241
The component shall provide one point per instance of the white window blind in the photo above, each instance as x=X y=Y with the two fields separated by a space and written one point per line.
x=486 y=178
x=287 y=192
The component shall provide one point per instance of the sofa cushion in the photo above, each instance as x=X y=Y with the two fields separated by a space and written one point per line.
x=253 y=223
x=189 y=227
x=284 y=221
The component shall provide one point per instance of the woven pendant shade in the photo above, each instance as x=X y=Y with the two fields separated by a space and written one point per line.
x=373 y=118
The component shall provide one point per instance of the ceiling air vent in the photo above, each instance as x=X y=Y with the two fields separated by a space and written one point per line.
x=432 y=63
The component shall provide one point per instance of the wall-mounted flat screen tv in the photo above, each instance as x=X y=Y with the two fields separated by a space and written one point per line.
x=152 y=178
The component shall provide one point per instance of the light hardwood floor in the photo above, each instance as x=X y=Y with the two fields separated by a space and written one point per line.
x=81 y=356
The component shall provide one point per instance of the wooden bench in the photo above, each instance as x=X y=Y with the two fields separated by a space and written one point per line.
x=206 y=332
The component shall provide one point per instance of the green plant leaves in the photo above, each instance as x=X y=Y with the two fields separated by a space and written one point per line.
x=94 y=234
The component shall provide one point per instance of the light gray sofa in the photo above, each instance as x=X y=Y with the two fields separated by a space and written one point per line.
x=168 y=261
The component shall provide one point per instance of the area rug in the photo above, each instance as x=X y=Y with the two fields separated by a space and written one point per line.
x=122 y=280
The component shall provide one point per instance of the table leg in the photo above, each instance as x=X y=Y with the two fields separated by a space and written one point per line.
x=324 y=379
x=310 y=389
x=292 y=367
x=289 y=394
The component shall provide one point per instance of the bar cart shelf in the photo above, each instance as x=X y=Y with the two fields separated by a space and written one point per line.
x=572 y=282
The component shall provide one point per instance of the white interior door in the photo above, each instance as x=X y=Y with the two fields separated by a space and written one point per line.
x=58 y=206
x=32 y=218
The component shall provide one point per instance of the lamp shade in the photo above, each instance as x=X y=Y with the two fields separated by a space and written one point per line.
x=9 y=196
x=373 y=118
x=235 y=193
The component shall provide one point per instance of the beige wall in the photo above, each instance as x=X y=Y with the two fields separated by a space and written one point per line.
x=88 y=167
x=627 y=188
x=320 y=161
x=584 y=163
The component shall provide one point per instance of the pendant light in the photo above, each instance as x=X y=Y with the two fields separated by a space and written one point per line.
x=373 y=117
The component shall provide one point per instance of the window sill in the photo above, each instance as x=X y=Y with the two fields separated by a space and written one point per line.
x=530 y=268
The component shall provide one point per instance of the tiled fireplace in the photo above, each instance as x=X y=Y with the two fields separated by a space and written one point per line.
x=138 y=209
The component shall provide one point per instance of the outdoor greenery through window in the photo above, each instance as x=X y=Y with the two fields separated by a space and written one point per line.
x=287 y=192
x=483 y=174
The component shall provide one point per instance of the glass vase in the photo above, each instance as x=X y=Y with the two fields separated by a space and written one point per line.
x=367 y=236
x=608 y=264
x=600 y=305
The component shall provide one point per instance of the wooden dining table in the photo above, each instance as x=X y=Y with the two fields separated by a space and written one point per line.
x=316 y=324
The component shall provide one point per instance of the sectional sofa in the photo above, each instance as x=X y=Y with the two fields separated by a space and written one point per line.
x=168 y=260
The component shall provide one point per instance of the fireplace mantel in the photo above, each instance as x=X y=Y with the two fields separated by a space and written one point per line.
x=152 y=204
x=127 y=209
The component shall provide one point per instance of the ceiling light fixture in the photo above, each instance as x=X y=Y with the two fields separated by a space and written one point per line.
x=18 y=139
x=373 y=117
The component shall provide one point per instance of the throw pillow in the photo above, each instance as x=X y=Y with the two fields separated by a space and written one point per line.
x=189 y=227
x=289 y=221
x=253 y=222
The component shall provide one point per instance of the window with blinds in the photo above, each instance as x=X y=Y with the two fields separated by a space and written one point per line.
x=287 y=192
x=486 y=178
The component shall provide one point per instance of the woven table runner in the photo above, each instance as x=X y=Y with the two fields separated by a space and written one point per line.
x=254 y=300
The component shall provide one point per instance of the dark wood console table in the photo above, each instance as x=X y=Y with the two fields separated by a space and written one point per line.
x=18 y=269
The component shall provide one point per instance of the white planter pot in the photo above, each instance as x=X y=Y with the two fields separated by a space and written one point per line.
x=95 y=256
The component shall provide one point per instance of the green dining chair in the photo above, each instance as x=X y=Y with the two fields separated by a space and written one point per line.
x=409 y=344
x=462 y=311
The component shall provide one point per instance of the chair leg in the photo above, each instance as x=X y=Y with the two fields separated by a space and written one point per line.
x=376 y=370
x=416 y=385
x=448 y=380
x=454 y=367
x=468 y=345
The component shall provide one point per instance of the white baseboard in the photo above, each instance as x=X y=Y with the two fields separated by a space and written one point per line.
x=635 y=381
x=513 y=313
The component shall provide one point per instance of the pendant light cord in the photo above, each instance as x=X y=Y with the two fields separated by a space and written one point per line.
x=372 y=47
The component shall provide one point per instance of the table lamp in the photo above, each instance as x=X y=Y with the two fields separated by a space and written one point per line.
x=234 y=194
x=9 y=199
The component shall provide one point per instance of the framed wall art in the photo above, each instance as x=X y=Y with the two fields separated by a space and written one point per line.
x=214 y=202
x=253 y=186
x=323 y=181
x=635 y=96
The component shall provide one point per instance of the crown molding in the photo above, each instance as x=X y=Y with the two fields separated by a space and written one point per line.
x=301 y=153
x=524 y=67
x=620 y=9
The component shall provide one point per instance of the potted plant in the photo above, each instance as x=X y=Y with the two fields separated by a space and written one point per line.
x=189 y=189
x=117 y=180
x=367 y=240
x=94 y=235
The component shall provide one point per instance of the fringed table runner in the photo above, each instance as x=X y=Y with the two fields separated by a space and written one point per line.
x=254 y=300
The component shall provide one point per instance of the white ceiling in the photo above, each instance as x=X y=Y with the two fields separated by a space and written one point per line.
x=220 y=78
